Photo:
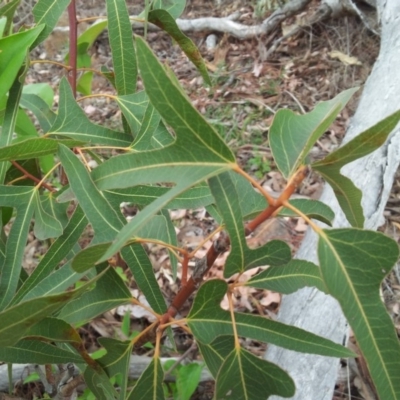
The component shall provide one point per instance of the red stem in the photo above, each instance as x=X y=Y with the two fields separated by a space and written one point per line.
x=73 y=44
x=32 y=177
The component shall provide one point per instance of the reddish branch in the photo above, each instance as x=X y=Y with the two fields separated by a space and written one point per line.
x=32 y=177
x=222 y=244
x=73 y=44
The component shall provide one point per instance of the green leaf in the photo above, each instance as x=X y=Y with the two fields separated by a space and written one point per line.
x=245 y=376
x=116 y=361
x=24 y=198
x=48 y=217
x=174 y=107
x=34 y=147
x=40 y=109
x=57 y=281
x=13 y=53
x=174 y=7
x=353 y=265
x=87 y=258
x=122 y=48
x=292 y=136
x=72 y=122
x=84 y=84
x=10 y=118
x=149 y=385
x=312 y=208
x=8 y=11
x=3 y=22
x=349 y=197
x=207 y=321
x=106 y=222
x=42 y=90
x=289 y=278
x=195 y=197
x=17 y=319
x=23 y=126
x=139 y=264
x=363 y=144
x=53 y=330
x=171 y=239
x=36 y=352
x=91 y=34
x=54 y=255
x=110 y=291
x=347 y=194
x=134 y=106
x=216 y=352
x=99 y=384
x=150 y=125
x=241 y=257
x=48 y=12
x=130 y=230
x=187 y=380
x=166 y=22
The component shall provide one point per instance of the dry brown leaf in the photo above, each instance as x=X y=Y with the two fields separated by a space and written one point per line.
x=344 y=58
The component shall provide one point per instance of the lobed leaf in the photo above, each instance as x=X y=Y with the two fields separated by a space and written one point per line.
x=72 y=122
x=245 y=376
x=292 y=136
x=54 y=255
x=347 y=194
x=207 y=321
x=216 y=352
x=353 y=265
x=175 y=108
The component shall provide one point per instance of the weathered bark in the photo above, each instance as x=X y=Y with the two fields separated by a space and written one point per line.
x=308 y=308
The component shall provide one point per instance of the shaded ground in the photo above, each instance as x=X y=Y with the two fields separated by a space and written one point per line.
x=247 y=91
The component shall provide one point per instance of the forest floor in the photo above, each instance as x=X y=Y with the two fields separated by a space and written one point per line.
x=248 y=89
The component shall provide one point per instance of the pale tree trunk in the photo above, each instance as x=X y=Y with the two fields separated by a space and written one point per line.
x=310 y=309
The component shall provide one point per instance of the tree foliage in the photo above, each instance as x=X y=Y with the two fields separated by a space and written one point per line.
x=168 y=156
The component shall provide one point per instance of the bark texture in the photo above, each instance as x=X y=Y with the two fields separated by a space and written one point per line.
x=310 y=309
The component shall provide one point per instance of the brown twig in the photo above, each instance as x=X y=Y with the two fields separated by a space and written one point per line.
x=32 y=177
